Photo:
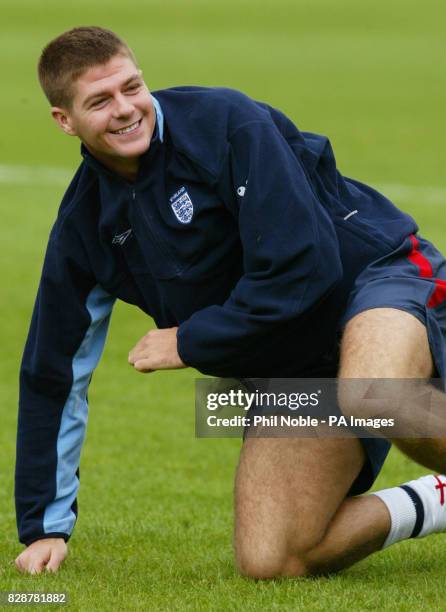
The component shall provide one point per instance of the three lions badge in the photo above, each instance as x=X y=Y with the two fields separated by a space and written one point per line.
x=182 y=206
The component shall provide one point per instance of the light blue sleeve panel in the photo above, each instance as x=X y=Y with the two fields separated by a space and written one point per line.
x=60 y=514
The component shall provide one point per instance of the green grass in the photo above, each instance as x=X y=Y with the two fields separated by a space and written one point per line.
x=154 y=530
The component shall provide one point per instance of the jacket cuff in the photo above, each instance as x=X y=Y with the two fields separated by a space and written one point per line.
x=181 y=348
x=46 y=536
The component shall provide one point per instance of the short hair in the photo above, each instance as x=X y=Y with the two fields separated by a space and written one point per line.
x=71 y=54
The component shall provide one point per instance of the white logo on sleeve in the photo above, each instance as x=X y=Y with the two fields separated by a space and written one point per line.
x=241 y=190
x=182 y=206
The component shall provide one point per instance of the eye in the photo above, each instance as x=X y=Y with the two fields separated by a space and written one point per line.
x=99 y=103
x=133 y=87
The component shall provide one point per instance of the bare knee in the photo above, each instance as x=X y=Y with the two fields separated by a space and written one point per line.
x=280 y=551
x=279 y=517
x=259 y=562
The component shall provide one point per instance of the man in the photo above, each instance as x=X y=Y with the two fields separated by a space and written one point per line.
x=236 y=233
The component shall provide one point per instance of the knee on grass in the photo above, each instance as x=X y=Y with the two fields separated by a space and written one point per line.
x=267 y=565
x=261 y=556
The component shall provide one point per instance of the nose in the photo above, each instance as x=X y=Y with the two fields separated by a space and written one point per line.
x=122 y=106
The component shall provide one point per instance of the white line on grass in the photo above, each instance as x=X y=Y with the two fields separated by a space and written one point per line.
x=34 y=175
x=415 y=194
x=52 y=175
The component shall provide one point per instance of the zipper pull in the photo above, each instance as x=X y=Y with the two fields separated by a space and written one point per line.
x=133 y=195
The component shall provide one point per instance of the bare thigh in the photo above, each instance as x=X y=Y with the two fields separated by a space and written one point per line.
x=390 y=343
x=382 y=343
x=385 y=343
x=287 y=491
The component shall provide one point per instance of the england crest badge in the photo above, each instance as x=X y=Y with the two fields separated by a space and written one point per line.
x=182 y=206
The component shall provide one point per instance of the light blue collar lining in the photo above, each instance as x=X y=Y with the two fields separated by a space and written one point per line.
x=159 y=117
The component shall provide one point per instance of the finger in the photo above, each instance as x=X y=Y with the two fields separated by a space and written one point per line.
x=25 y=562
x=136 y=356
x=37 y=568
x=56 y=559
x=19 y=563
x=38 y=558
x=136 y=353
x=143 y=365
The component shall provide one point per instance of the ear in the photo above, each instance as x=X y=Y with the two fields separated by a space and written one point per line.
x=63 y=119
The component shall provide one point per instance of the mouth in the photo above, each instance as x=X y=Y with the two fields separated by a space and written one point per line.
x=128 y=129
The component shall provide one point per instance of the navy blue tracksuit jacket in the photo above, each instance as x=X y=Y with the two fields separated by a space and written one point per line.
x=239 y=229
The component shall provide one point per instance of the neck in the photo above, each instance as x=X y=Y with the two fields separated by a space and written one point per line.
x=127 y=168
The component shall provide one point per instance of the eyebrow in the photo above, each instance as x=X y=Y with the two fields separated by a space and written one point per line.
x=105 y=92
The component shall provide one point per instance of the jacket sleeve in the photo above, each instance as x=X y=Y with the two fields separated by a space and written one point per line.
x=64 y=344
x=291 y=256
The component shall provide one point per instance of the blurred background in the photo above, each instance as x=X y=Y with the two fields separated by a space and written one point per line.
x=369 y=75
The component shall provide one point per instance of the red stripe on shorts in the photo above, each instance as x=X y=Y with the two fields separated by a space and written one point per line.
x=425 y=271
x=439 y=294
x=417 y=258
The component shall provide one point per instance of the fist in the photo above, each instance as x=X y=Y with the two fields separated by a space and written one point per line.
x=157 y=350
x=46 y=554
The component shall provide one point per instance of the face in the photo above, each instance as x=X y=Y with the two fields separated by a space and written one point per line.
x=112 y=113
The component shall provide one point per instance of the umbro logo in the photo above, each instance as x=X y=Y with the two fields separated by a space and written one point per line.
x=121 y=238
x=242 y=189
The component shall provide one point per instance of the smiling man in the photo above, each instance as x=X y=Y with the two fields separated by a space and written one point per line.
x=111 y=113
x=256 y=258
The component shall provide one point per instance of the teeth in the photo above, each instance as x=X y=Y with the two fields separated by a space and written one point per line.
x=128 y=129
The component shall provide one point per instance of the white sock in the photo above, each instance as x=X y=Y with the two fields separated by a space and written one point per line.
x=417 y=508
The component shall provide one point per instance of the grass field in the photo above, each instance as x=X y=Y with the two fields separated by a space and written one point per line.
x=154 y=529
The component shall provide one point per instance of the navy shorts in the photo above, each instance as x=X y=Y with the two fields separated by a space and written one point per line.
x=411 y=278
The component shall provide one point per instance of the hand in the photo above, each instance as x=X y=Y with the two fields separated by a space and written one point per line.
x=48 y=553
x=157 y=350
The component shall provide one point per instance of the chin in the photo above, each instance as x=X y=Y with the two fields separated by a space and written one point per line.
x=134 y=150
